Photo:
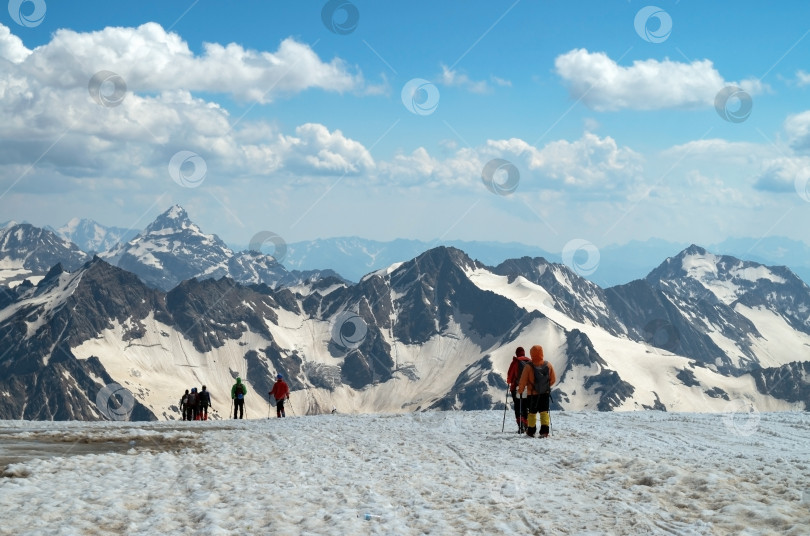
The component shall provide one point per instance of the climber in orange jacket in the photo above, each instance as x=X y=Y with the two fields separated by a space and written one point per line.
x=535 y=386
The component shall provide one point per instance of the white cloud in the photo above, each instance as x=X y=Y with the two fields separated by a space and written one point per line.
x=589 y=166
x=135 y=140
x=314 y=149
x=11 y=46
x=713 y=191
x=797 y=128
x=151 y=59
x=589 y=162
x=603 y=85
x=453 y=78
x=780 y=175
x=803 y=78
x=719 y=151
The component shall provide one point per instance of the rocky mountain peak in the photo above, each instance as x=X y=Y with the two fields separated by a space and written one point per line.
x=174 y=218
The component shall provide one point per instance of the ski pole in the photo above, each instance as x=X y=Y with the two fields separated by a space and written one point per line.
x=505 y=405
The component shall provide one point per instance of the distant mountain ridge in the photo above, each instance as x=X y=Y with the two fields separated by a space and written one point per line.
x=92 y=237
x=354 y=257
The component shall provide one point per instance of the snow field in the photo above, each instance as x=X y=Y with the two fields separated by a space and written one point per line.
x=420 y=473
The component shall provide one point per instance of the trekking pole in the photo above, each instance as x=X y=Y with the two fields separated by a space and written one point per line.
x=291 y=405
x=505 y=405
x=231 y=411
x=550 y=424
x=520 y=415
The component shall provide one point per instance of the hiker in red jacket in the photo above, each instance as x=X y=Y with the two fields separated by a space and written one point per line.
x=513 y=378
x=280 y=392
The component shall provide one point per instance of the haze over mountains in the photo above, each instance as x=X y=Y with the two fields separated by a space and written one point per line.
x=354 y=257
x=174 y=307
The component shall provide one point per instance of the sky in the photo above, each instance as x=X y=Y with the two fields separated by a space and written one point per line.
x=563 y=125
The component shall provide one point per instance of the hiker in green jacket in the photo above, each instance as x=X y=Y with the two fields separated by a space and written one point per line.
x=238 y=392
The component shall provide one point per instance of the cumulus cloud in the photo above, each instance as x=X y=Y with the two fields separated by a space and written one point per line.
x=49 y=120
x=11 y=46
x=603 y=85
x=802 y=78
x=151 y=59
x=314 y=149
x=589 y=162
x=797 y=128
x=589 y=165
x=781 y=175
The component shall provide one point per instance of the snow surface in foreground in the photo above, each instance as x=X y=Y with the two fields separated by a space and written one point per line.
x=420 y=473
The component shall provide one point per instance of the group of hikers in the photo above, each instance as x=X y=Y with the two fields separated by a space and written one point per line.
x=530 y=382
x=194 y=405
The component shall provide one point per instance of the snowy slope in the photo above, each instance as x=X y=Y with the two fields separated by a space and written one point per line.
x=28 y=252
x=159 y=366
x=423 y=473
x=757 y=315
x=653 y=373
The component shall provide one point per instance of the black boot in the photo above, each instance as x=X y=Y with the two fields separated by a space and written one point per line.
x=530 y=430
x=543 y=430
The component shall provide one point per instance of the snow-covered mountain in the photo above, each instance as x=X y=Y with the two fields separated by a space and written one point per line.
x=723 y=312
x=435 y=332
x=173 y=249
x=759 y=316
x=28 y=252
x=92 y=237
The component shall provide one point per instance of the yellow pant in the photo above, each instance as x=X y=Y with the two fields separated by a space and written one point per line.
x=545 y=420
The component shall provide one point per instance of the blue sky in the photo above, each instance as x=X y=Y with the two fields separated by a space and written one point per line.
x=304 y=132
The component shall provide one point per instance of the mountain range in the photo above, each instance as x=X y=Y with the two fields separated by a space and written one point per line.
x=354 y=257
x=174 y=308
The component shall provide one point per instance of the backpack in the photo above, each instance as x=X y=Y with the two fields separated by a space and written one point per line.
x=521 y=364
x=205 y=398
x=192 y=399
x=542 y=380
x=184 y=401
x=239 y=391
